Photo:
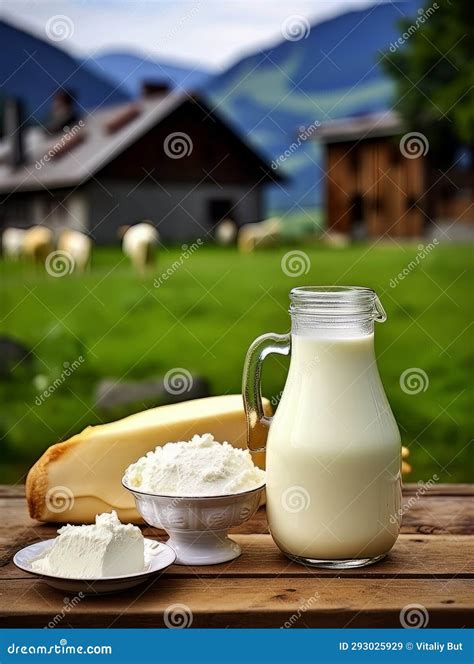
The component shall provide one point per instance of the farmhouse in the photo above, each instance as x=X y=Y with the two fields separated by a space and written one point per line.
x=168 y=158
x=380 y=181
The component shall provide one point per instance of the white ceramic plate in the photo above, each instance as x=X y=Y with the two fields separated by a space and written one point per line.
x=158 y=556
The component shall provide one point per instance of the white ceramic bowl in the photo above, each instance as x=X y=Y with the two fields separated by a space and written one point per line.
x=198 y=526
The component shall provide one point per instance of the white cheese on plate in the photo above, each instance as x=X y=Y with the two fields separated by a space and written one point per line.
x=106 y=548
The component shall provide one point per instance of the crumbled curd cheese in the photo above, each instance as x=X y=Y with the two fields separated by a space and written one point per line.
x=199 y=467
x=106 y=548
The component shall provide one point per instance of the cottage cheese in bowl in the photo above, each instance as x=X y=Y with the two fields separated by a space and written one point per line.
x=196 y=491
x=199 y=467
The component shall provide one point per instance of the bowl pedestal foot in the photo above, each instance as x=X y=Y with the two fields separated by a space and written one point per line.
x=208 y=547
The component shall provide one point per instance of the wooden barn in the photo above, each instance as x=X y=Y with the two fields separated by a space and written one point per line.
x=168 y=158
x=379 y=184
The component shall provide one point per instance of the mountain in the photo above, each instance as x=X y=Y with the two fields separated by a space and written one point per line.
x=331 y=72
x=33 y=69
x=129 y=70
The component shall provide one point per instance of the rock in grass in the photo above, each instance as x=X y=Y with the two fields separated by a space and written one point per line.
x=112 y=395
x=12 y=354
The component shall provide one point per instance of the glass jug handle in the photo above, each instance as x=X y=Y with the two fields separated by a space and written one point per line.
x=380 y=315
x=257 y=422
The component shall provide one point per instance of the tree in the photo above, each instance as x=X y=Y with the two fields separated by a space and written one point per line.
x=433 y=68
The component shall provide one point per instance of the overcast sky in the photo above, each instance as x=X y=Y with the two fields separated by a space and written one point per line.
x=211 y=33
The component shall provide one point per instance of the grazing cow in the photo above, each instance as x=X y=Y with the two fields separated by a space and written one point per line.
x=38 y=243
x=78 y=246
x=259 y=234
x=12 y=242
x=336 y=240
x=226 y=232
x=139 y=243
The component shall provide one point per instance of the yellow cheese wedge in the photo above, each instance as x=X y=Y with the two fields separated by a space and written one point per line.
x=81 y=477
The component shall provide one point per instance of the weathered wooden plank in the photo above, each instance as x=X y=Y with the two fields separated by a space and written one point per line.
x=440 y=489
x=418 y=556
x=12 y=490
x=222 y=602
x=438 y=515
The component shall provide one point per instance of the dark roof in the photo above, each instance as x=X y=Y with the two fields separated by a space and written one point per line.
x=371 y=125
x=101 y=138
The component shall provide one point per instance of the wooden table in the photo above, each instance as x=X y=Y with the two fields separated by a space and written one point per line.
x=431 y=565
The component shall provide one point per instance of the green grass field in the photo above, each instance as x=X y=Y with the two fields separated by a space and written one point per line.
x=203 y=319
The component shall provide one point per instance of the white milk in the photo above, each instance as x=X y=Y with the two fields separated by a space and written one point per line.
x=333 y=453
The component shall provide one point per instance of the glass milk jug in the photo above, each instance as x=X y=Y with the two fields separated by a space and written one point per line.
x=333 y=448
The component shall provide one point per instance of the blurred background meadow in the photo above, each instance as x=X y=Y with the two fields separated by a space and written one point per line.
x=244 y=149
